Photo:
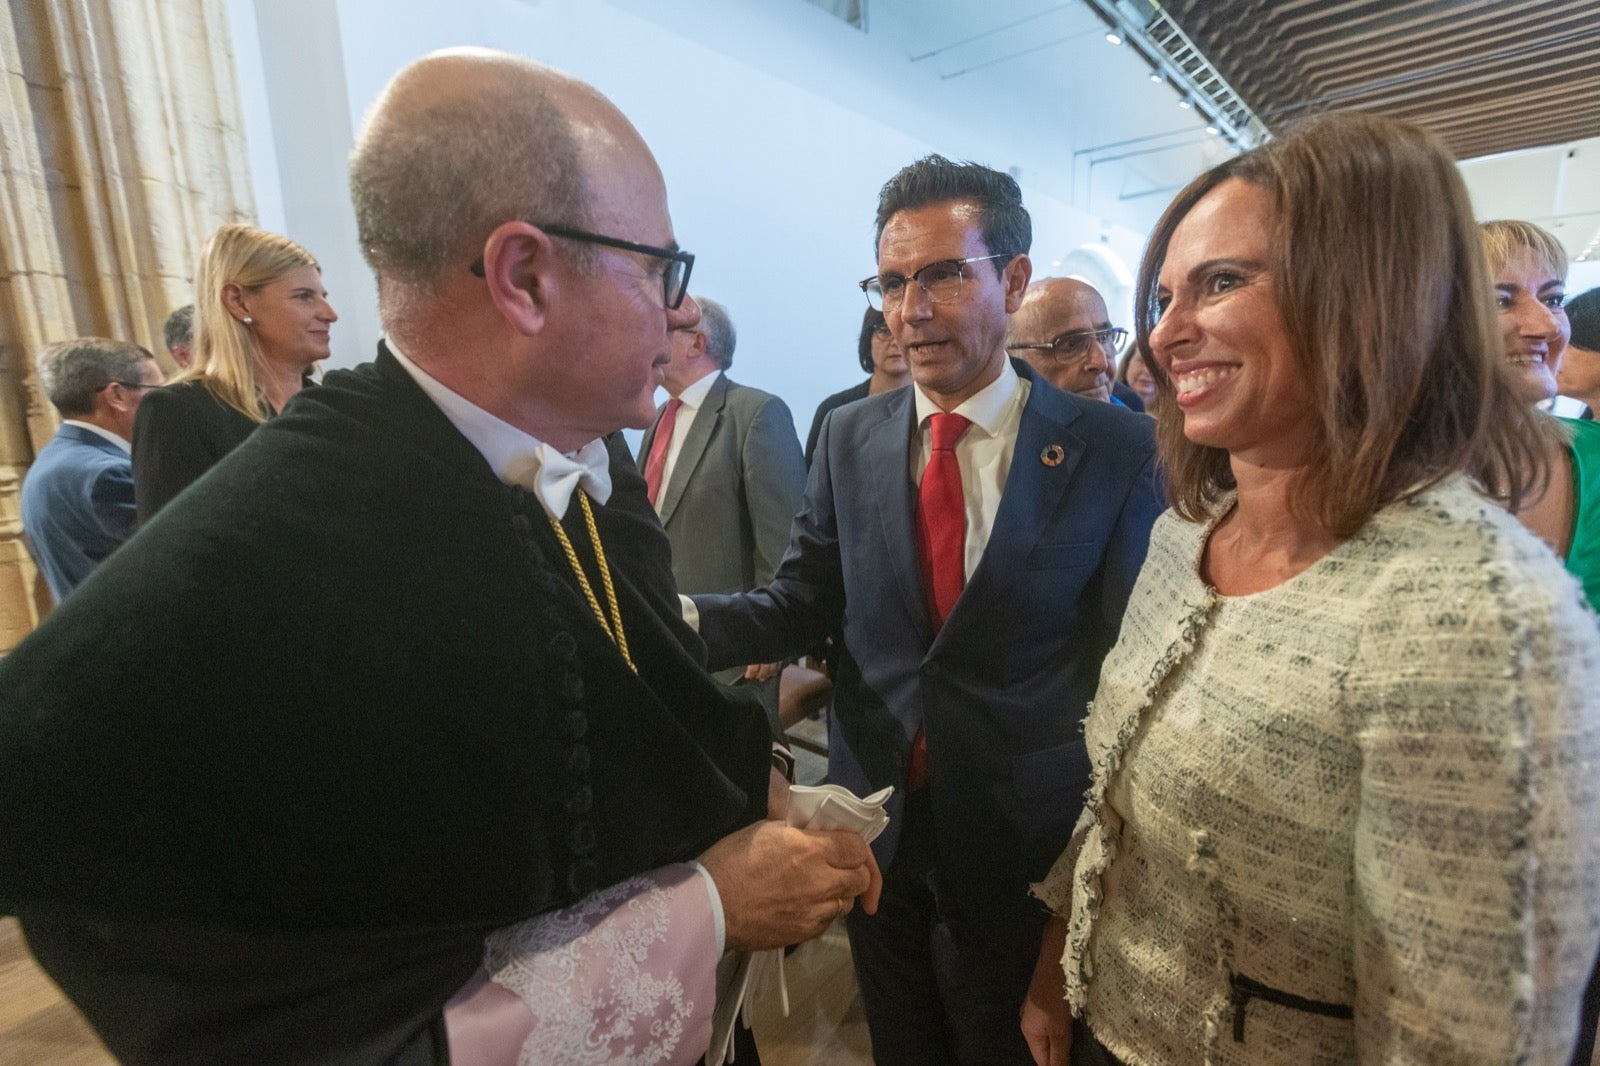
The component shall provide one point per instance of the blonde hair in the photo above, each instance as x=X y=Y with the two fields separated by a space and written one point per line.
x=226 y=356
x=1504 y=237
x=1384 y=292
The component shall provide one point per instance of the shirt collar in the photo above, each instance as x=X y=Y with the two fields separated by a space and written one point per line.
x=985 y=408
x=99 y=431
x=695 y=395
x=516 y=457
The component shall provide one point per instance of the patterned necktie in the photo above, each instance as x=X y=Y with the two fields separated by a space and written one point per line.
x=941 y=546
x=659 y=444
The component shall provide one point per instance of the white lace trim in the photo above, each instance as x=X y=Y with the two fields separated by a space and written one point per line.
x=616 y=1012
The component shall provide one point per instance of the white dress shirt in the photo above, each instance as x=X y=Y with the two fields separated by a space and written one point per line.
x=692 y=397
x=516 y=457
x=983 y=452
x=99 y=432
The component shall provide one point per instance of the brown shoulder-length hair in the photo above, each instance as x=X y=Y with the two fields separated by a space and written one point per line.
x=1379 y=275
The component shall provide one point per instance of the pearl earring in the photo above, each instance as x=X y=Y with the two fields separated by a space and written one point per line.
x=249 y=321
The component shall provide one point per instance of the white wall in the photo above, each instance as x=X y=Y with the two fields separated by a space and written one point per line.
x=772 y=178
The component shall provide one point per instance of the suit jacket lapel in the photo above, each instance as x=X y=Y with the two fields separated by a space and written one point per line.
x=1032 y=493
x=694 y=445
x=888 y=454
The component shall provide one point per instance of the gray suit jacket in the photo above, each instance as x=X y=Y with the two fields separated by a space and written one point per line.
x=734 y=490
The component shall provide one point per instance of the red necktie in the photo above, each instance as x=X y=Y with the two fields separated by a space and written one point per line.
x=942 y=519
x=941 y=544
x=659 y=444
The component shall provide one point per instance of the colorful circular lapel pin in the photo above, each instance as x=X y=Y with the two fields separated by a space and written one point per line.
x=1052 y=455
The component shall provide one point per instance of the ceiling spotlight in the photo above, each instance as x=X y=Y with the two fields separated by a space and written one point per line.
x=1183 y=102
x=1113 y=37
x=1155 y=76
x=1213 y=130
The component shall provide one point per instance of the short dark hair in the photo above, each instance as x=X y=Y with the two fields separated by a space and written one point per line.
x=1583 y=311
x=1007 y=229
x=72 y=372
x=869 y=325
x=179 y=330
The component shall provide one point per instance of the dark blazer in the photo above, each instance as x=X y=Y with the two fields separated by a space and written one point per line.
x=393 y=724
x=734 y=489
x=1126 y=395
x=1002 y=690
x=838 y=399
x=181 y=432
x=77 y=506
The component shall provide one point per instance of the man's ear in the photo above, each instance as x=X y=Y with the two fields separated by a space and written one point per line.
x=115 y=399
x=1015 y=278
x=521 y=270
x=701 y=344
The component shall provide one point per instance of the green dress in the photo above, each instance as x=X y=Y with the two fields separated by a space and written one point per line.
x=1583 y=558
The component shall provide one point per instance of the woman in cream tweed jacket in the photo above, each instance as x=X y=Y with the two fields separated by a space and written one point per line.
x=1346 y=801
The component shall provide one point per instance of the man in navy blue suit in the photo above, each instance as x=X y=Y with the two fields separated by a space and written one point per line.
x=77 y=500
x=980 y=583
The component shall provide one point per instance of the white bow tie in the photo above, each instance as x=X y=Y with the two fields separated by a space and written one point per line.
x=554 y=477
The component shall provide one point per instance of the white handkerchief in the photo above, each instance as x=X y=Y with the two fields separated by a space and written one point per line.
x=810 y=807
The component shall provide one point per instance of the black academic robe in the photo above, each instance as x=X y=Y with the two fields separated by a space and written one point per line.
x=269 y=776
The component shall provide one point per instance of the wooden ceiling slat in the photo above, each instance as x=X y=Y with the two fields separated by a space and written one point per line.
x=1329 y=71
x=1490 y=75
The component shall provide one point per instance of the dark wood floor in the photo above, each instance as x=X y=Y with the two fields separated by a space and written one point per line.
x=37 y=1026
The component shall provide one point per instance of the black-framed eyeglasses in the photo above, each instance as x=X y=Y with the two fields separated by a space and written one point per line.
x=134 y=384
x=881 y=330
x=674 y=279
x=940 y=280
x=1075 y=345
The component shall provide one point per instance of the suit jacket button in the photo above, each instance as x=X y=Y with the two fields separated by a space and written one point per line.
x=931 y=670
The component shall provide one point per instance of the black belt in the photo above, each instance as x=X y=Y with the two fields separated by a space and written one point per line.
x=1241 y=990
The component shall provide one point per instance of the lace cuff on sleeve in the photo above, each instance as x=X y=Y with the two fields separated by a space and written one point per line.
x=626 y=974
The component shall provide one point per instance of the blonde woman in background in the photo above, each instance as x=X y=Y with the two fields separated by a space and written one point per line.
x=262 y=322
x=1529 y=267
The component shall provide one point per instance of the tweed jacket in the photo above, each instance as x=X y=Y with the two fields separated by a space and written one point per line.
x=1349 y=818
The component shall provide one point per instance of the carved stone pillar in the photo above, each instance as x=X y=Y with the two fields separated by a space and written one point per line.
x=121 y=148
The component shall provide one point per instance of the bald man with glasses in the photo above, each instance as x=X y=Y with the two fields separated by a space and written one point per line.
x=440 y=776
x=1065 y=333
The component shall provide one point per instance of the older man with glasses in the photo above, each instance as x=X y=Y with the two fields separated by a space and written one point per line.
x=1065 y=333
x=439 y=776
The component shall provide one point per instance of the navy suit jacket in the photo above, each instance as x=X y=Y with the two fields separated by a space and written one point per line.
x=77 y=506
x=1002 y=689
